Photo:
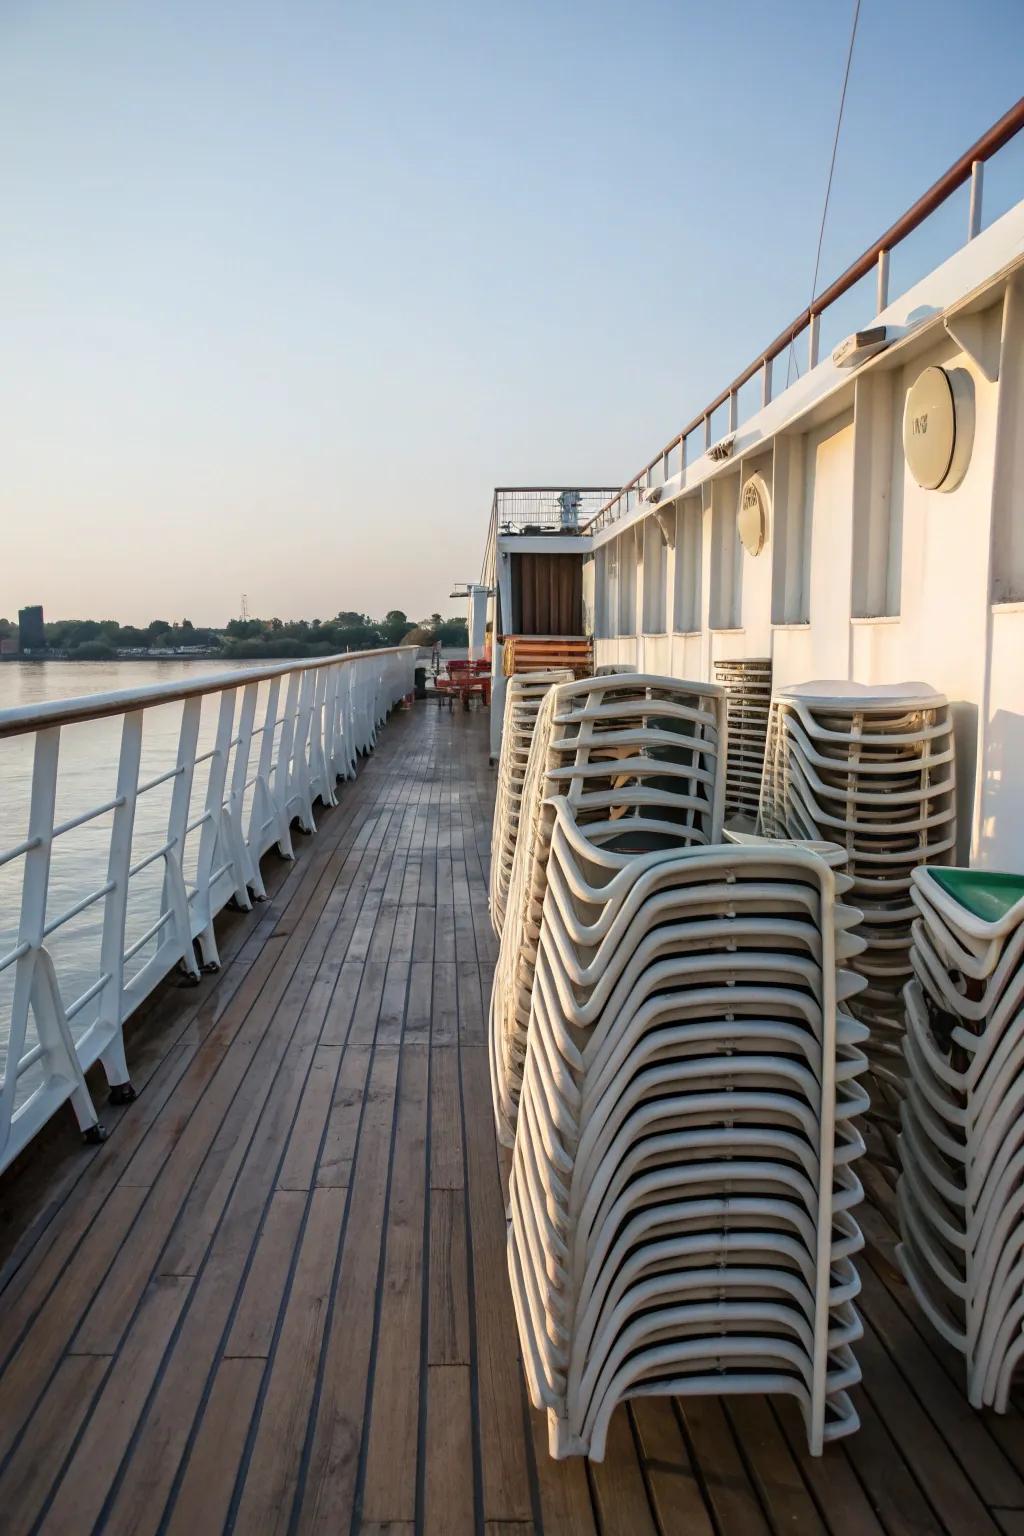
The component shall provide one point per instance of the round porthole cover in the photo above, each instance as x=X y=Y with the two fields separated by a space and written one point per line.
x=938 y=427
x=753 y=515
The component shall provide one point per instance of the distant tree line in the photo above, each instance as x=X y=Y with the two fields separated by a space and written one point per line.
x=103 y=639
x=347 y=631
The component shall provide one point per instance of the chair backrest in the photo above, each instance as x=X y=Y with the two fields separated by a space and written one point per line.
x=463 y=669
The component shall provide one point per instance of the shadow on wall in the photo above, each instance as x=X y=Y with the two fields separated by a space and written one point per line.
x=965 y=742
x=1002 y=805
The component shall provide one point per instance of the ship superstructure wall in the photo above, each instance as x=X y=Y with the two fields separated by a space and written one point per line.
x=863 y=572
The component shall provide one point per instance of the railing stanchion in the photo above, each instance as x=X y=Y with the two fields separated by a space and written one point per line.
x=246 y=871
x=175 y=896
x=974 y=211
x=115 y=910
x=331 y=729
x=264 y=814
x=302 y=754
x=322 y=778
x=283 y=771
x=212 y=835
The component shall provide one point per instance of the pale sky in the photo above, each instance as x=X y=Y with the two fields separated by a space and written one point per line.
x=288 y=287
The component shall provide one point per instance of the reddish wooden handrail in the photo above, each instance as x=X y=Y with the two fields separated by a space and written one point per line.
x=1008 y=126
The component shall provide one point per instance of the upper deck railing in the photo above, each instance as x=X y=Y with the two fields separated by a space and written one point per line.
x=674 y=456
x=196 y=802
x=547 y=509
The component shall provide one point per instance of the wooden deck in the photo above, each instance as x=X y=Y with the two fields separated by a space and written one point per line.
x=276 y=1300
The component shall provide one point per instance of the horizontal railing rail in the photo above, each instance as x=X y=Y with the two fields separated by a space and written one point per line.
x=968 y=168
x=279 y=739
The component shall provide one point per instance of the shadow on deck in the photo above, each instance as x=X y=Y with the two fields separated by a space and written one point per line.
x=276 y=1299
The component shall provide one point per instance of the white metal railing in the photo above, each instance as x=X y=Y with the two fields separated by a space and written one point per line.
x=530 y=509
x=278 y=737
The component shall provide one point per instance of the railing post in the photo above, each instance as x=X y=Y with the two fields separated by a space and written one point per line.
x=707 y=433
x=115 y=910
x=61 y=1058
x=734 y=402
x=213 y=825
x=882 y=296
x=974 y=212
x=322 y=778
x=175 y=896
x=363 y=708
x=246 y=868
x=348 y=719
x=766 y=382
x=302 y=753
x=813 y=331
x=264 y=804
x=330 y=728
x=283 y=765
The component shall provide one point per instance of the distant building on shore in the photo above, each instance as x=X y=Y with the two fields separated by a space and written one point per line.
x=31 y=632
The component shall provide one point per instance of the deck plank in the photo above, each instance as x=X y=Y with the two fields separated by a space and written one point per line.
x=620 y=1492
x=448 y=1301
x=327 y=1498
x=503 y=1451
x=449 y=1504
x=675 y=1490
x=252 y=1332
x=33 y=1469
x=389 y=1489
x=776 y=1475
x=204 y=1498
x=90 y=1473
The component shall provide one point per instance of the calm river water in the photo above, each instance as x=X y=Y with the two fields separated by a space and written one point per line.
x=88 y=769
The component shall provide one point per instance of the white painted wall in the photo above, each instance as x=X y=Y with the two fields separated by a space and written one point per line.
x=878 y=542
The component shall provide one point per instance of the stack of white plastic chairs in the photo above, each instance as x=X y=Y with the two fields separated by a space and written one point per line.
x=748 y=692
x=637 y=759
x=871 y=768
x=961 y=1189
x=523 y=698
x=681 y=1191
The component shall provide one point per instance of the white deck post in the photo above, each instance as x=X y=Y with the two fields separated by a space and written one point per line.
x=246 y=870
x=115 y=909
x=175 y=896
x=282 y=766
x=211 y=835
